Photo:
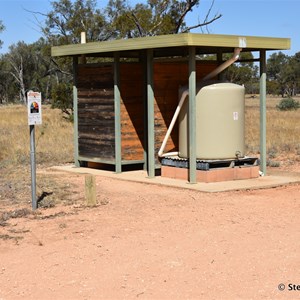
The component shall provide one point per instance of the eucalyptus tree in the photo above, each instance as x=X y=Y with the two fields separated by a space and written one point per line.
x=27 y=66
x=21 y=60
x=2 y=27
x=8 y=88
x=63 y=25
x=291 y=75
x=155 y=17
x=3 y=87
x=119 y=19
x=283 y=73
x=244 y=72
x=67 y=19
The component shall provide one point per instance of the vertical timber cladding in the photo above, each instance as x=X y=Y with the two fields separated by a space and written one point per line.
x=168 y=78
x=96 y=131
x=132 y=111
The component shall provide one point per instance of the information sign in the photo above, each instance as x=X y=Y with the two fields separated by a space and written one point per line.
x=34 y=102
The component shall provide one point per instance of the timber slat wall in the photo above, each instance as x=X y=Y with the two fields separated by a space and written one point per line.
x=168 y=78
x=132 y=111
x=96 y=131
x=95 y=86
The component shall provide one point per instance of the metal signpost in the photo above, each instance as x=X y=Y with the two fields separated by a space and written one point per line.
x=34 y=107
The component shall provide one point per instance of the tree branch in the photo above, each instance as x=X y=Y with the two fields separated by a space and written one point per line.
x=208 y=13
x=137 y=24
x=59 y=69
x=203 y=24
x=190 y=4
x=164 y=7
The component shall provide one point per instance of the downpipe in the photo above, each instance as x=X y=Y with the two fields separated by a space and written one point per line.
x=215 y=72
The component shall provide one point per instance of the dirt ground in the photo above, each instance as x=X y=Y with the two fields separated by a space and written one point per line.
x=152 y=242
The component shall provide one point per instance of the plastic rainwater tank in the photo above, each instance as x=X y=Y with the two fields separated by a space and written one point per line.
x=220 y=122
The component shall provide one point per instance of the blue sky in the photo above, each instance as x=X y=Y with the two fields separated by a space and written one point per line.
x=272 y=18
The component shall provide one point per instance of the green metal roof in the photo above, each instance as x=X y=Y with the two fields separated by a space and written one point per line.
x=209 y=42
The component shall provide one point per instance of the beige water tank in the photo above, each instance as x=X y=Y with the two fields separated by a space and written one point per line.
x=220 y=122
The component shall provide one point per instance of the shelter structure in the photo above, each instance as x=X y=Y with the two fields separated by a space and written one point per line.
x=126 y=91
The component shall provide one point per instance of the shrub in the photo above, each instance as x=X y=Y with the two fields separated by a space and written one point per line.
x=288 y=104
x=62 y=98
x=273 y=164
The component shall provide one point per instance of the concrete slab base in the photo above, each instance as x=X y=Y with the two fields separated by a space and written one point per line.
x=269 y=181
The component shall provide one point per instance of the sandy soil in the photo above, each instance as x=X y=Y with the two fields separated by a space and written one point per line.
x=153 y=242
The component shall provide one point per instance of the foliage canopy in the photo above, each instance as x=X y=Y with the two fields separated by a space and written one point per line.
x=30 y=66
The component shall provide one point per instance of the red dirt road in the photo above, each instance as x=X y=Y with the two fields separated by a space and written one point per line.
x=153 y=242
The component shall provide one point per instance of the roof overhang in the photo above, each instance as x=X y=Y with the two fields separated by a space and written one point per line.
x=205 y=43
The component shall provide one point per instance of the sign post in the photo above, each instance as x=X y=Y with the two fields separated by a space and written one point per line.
x=34 y=108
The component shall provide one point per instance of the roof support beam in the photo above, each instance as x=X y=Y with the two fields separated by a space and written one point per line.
x=192 y=115
x=117 y=100
x=263 y=112
x=150 y=115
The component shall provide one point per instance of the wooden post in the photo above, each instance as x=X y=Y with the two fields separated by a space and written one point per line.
x=75 y=113
x=90 y=190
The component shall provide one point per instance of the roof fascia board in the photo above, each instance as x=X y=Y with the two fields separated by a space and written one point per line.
x=173 y=40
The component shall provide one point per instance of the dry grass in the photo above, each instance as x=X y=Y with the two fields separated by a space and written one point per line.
x=283 y=130
x=54 y=138
x=54 y=145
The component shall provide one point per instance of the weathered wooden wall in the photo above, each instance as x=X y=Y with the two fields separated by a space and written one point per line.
x=95 y=84
x=132 y=111
x=96 y=128
x=168 y=78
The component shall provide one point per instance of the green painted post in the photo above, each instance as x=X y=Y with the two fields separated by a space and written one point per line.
x=75 y=112
x=75 y=116
x=150 y=113
x=192 y=115
x=143 y=60
x=117 y=99
x=263 y=113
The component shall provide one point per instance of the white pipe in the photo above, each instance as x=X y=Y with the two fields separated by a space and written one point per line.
x=223 y=66
x=177 y=111
x=169 y=154
x=185 y=93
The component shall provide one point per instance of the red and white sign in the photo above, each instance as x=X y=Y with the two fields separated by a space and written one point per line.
x=34 y=105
